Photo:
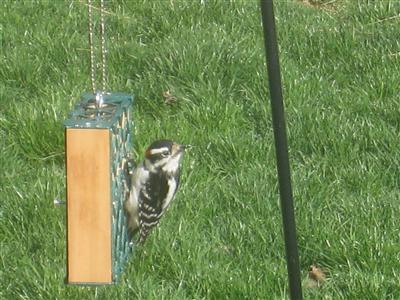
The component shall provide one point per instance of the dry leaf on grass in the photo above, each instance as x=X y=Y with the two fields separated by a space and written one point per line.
x=316 y=277
x=168 y=97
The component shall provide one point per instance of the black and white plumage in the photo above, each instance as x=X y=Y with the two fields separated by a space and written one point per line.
x=154 y=184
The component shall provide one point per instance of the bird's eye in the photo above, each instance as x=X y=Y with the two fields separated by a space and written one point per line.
x=164 y=153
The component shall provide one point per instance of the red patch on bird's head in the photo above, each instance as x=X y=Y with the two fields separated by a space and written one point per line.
x=148 y=153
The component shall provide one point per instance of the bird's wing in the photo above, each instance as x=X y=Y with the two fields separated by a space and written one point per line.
x=152 y=198
x=131 y=205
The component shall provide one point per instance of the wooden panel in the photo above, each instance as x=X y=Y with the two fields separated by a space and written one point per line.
x=88 y=206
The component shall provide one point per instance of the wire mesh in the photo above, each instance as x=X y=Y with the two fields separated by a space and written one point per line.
x=114 y=114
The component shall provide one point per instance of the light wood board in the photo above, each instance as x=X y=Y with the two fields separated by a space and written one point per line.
x=88 y=206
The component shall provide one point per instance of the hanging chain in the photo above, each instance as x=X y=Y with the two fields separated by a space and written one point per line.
x=92 y=66
x=103 y=47
x=103 y=44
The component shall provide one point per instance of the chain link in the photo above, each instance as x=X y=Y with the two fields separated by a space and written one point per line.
x=102 y=45
x=92 y=62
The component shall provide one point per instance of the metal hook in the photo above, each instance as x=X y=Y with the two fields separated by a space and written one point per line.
x=99 y=100
x=58 y=201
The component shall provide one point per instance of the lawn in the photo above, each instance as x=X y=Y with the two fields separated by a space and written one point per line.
x=222 y=237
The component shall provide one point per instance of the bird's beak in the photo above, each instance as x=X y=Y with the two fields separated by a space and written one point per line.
x=185 y=147
x=179 y=148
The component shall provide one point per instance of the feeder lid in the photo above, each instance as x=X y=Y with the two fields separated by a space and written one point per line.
x=89 y=113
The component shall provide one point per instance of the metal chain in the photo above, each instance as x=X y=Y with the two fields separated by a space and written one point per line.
x=103 y=46
x=92 y=63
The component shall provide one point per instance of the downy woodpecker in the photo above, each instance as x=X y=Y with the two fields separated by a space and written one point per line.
x=154 y=184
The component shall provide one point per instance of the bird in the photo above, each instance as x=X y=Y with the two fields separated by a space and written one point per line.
x=153 y=186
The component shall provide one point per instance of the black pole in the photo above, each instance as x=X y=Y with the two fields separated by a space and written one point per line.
x=281 y=147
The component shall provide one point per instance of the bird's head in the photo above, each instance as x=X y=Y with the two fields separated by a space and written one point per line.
x=165 y=155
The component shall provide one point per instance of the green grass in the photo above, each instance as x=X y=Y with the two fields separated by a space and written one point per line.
x=222 y=237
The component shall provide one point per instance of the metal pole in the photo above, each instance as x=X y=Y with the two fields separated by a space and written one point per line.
x=281 y=147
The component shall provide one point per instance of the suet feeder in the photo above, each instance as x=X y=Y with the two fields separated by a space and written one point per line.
x=98 y=141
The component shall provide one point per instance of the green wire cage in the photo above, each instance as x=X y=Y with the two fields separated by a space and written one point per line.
x=98 y=140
